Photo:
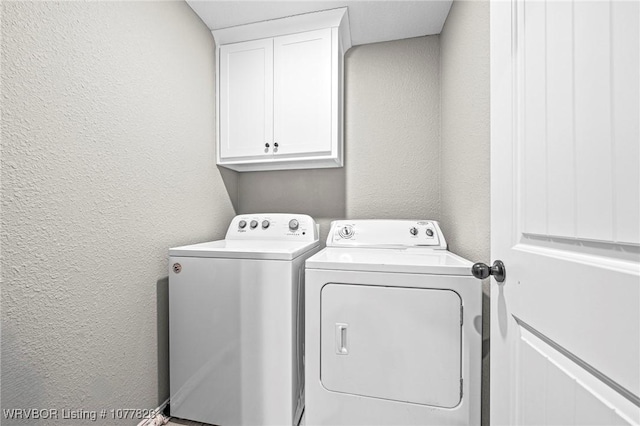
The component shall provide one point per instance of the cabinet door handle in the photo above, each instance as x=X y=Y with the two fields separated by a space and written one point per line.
x=275 y=144
x=266 y=145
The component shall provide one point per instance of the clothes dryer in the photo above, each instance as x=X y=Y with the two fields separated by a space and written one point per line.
x=393 y=328
x=235 y=306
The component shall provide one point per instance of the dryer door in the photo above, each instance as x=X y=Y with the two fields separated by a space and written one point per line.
x=395 y=343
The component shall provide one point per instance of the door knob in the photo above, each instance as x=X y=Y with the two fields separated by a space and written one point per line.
x=482 y=270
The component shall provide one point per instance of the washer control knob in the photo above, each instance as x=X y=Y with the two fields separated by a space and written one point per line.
x=253 y=224
x=242 y=224
x=429 y=232
x=265 y=224
x=346 y=232
x=413 y=231
x=293 y=225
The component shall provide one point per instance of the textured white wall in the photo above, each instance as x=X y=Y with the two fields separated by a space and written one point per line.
x=107 y=161
x=392 y=144
x=465 y=144
x=393 y=130
x=465 y=129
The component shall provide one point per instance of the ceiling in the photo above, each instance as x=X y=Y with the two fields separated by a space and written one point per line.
x=371 y=21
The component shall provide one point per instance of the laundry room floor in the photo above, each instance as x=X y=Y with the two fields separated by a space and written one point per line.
x=180 y=422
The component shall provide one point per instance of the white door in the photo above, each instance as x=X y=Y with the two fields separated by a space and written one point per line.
x=303 y=71
x=246 y=99
x=565 y=191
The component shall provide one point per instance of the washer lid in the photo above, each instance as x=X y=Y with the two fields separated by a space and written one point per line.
x=409 y=260
x=246 y=249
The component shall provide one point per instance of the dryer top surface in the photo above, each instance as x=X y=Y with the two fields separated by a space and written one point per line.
x=407 y=260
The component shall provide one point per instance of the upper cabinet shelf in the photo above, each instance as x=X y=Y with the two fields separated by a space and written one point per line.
x=280 y=92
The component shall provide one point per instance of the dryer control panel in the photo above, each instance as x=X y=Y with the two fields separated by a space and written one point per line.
x=386 y=234
x=273 y=226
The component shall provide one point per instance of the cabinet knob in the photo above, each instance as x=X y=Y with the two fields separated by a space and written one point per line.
x=266 y=145
x=275 y=144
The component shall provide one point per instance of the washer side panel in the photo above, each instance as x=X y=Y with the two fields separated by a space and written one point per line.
x=231 y=344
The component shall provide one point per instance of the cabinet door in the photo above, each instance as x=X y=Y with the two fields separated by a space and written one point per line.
x=246 y=99
x=302 y=71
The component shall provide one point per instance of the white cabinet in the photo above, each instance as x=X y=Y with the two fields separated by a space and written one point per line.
x=280 y=97
x=302 y=93
x=246 y=98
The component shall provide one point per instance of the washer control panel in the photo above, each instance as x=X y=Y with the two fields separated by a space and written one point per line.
x=386 y=234
x=273 y=226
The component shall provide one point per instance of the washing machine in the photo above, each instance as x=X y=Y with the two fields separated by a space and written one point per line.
x=393 y=328
x=235 y=309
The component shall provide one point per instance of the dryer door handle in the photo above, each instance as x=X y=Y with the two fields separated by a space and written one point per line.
x=341 y=339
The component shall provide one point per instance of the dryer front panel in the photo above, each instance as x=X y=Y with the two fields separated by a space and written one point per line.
x=394 y=343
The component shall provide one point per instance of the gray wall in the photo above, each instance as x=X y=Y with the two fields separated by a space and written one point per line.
x=392 y=144
x=465 y=195
x=107 y=161
x=465 y=129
